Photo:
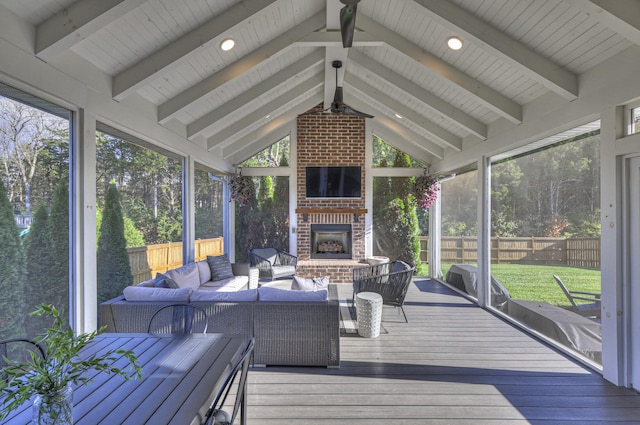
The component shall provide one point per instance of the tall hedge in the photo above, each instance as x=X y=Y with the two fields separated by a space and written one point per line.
x=58 y=276
x=114 y=270
x=38 y=254
x=11 y=272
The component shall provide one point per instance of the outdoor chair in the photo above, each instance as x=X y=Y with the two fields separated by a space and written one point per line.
x=273 y=263
x=18 y=350
x=178 y=319
x=391 y=280
x=591 y=309
x=216 y=415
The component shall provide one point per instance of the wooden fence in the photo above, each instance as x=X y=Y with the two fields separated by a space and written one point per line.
x=148 y=260
x=578 y=252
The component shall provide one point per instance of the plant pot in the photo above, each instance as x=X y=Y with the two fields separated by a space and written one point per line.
x=54 y=409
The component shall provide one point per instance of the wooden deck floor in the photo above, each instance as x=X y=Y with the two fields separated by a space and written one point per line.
x=453 y=363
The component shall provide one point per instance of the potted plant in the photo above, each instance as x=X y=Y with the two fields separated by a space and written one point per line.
x=51 y=378
x=426 y=190
x=241 y=188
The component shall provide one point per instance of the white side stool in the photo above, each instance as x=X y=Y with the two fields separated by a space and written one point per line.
x=369 y=314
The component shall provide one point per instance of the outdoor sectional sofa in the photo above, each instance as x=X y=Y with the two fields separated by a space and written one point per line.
x=291 y=328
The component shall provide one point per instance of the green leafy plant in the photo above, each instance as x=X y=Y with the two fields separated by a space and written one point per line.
x=62 y=365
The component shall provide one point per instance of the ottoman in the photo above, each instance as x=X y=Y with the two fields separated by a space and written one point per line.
x=369 y=314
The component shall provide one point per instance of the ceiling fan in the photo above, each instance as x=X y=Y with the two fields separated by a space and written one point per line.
x=338 y=106
x=348 y=21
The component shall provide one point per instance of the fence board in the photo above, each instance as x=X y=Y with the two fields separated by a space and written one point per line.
x=148 y=260
x=579 y=252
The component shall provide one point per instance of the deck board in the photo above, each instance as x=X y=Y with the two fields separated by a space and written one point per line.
x=453 y=364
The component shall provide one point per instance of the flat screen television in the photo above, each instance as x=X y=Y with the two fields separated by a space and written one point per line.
x=333 y=182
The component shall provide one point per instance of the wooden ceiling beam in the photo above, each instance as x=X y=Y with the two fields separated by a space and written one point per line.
x=171 y=107
x=190 y=44
x=447 y=111
x=535 y=66
x=76 y=22
x=484 y=94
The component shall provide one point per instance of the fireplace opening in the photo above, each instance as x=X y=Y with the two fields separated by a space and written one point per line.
x=331 y=241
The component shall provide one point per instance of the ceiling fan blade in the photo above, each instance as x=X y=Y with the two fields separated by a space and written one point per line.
x=348 y=24
x=347 y=110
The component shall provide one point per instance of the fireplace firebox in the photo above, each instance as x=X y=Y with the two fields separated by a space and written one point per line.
x=331 y=241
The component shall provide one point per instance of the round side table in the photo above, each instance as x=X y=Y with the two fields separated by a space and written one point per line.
x=369 y=314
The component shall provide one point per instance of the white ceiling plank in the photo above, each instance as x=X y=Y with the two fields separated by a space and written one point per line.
x=259 y=139
x=183 y=48
x=448 y=111
x=488 y=97
x=409 y=135
x=534 y=65
x=290 y=96
x=77 y=22
x=170 y=108
x=207 y=120
x=334 y=39
x=435 y=131
x=399 y=142
x=621 y=16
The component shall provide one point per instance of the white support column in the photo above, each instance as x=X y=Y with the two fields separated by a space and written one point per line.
x=83 y=258
x=188 y=210
x=484 y=231
x=435 y=233
x=368 y=190
x=293 y=188
x=614 y=352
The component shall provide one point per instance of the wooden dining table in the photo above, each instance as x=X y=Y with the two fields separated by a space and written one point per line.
x=180 y=376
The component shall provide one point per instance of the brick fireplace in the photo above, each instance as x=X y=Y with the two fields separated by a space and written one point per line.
x=329 y=139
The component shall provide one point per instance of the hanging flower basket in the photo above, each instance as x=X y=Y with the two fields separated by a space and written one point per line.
x=426 y=191
x=241 y=189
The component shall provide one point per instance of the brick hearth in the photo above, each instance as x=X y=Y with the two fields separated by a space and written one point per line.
x=328 y=139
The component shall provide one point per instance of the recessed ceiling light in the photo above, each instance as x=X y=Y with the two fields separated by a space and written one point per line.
x=227 y=44
x=454 y=43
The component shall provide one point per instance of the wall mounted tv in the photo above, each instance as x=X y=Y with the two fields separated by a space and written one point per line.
x=333 y=182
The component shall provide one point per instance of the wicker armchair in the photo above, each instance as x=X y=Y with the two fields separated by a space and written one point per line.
x=273 y=263
x=391 y=280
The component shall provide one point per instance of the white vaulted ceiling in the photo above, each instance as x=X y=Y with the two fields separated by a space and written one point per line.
x=166 y=53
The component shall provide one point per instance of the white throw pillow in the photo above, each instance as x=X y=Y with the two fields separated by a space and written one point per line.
x=221 y=296
x=204 y=271
x=141 y=293
x=266 y=293
x=302 y=284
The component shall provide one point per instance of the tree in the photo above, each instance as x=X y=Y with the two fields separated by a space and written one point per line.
x=114 y=270
x=248 y=228
x=11 y=272
x=38 y=252
x=25 y=132
x=133 y=236
x=59 y=239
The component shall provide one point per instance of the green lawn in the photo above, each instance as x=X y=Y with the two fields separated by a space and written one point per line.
x=536 y=283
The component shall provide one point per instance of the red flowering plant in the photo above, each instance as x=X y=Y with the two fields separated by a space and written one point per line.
x=241 y=188
x=426 y=190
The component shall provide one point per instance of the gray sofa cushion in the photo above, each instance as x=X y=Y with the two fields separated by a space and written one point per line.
x=266 y=293
x=186 y=276
x=140 y=293
x=220 y=296
x=220 y=267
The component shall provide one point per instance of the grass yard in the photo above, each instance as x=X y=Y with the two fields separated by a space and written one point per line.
x=536 y=283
